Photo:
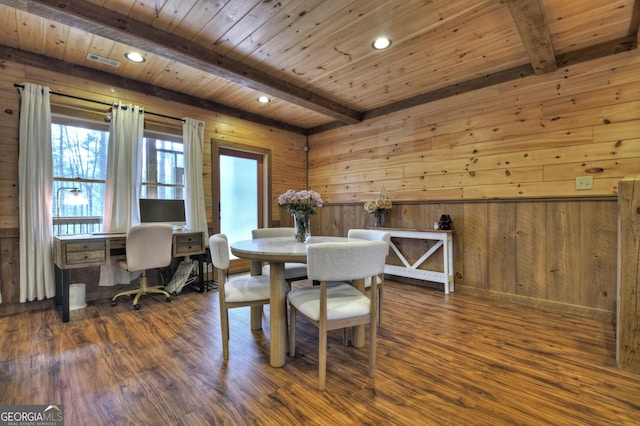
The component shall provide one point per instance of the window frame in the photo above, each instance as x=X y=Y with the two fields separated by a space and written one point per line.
x=167 y=137
x=87 y=223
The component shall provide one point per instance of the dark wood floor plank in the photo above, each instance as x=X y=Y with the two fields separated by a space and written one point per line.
x=442 y=359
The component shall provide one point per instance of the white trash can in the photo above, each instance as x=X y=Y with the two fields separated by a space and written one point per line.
x=77 y=296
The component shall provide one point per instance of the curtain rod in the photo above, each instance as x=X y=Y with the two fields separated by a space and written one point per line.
x=103 y=103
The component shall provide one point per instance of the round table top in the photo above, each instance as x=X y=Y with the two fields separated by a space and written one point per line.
x=279 y=249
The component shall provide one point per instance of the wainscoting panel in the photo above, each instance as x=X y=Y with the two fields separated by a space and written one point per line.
x=553 y=254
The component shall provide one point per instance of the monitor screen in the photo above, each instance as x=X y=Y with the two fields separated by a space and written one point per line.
x=165 y=211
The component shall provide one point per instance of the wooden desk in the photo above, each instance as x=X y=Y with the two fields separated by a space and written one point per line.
x=443 y=239
x=277 y=251
x=80 y=251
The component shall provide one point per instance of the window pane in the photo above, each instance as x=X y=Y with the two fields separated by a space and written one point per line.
x=238 y=197
x=77 y=214
x=163 y=169
x=79 y=152
x=92 y=192
x=79 y=161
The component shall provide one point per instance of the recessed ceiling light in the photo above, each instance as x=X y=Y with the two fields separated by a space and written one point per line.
x=264 y=100
x=134 y=57
x=381 y=43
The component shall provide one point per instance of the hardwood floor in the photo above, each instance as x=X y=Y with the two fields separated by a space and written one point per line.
x=441 y=360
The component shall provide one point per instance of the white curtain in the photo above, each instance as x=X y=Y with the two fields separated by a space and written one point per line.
x=35 y=170
x=124 y=168
x=124 y=178
x=193 y=139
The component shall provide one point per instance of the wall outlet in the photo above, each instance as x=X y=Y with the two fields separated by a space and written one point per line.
x=584 y=182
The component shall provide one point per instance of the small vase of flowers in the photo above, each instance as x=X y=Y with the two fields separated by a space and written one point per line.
x=378 y=208
x=301 y=205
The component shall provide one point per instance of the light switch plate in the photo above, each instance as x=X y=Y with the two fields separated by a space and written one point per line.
x=584 y=182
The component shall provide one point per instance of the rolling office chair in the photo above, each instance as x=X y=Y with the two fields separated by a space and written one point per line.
x=292 y=271
x=236 y=292
x=148 y=246
x=331 y=307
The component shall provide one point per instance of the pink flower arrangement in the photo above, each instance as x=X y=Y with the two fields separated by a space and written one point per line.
x=305 y=201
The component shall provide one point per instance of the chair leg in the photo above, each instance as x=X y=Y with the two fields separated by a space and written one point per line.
x=125 y=293
x=322 y=357
x=292 y=330
x=224 y=326
x=256 y=317
x=380 y=298
x=143 y=289
x=372 y=345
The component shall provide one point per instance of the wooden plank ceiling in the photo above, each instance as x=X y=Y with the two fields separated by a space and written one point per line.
x=312 y=57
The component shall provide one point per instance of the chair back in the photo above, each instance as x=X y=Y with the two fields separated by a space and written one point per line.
x=149 y=246
x=370 y=235
x=346 y=261
x=219 y=248
x=272 y=232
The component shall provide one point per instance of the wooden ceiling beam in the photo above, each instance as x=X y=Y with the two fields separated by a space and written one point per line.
x=109 y=24
x=612 y=47
x=635 y=20
x=44 y=62
x=598 y=51
x=442 y=93
x=530 y=20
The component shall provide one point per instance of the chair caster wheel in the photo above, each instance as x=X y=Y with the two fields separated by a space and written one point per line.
x=114 y=302
x=136 y=306
x=168 y=299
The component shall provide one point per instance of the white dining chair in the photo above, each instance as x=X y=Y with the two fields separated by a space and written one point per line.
x=292 y=271
x=374 y=235
x=236 y=292
x=331 y=307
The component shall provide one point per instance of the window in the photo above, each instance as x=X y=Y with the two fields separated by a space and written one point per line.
x=80 y=161
x=162 y=168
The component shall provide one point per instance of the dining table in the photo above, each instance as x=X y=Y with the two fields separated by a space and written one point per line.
x=277 y=251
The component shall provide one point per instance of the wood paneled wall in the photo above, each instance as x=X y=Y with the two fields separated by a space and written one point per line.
x=286 y=149
x=525 y=139
x=555 y=254
x=628 y=311
x=502 y=162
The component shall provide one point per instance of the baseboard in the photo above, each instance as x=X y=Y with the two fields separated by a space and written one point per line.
x=547 y=305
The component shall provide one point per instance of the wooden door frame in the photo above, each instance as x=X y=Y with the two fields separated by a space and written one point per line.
x=265 y=214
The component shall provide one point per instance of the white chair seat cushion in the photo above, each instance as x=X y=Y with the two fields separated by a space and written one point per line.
x=343 y=301
x=291 y=270
x=247 y=289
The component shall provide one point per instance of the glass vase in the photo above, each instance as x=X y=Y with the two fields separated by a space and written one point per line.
x=378 y=220
x=302 y=227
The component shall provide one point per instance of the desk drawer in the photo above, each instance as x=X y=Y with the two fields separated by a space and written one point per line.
x=84 y=253
x=85 y=257
x=84 y=246
x=188 y=244
x=117 y=243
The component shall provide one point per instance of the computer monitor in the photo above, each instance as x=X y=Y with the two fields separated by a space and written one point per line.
x=163 y=211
